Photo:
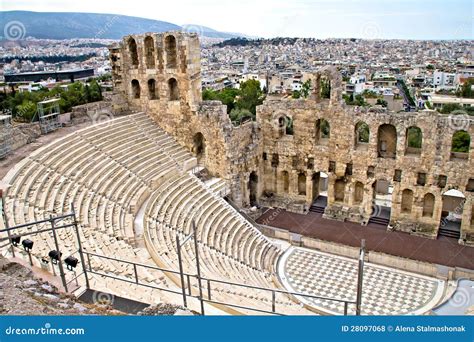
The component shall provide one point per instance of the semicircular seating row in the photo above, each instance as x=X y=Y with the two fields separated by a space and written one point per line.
x=230 y=248
x=107 y=171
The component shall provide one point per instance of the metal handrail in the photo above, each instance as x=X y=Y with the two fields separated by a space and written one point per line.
x=208 y=281
x=87 y=268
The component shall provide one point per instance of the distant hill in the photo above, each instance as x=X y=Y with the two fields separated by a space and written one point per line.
x=67 y=25
x=211 y=33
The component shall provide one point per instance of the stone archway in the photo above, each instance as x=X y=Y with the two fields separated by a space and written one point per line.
x=199 y=146
x=381 y=206
x=451 y=214
x=253 y=188
x=319 y=194
x=387 y=141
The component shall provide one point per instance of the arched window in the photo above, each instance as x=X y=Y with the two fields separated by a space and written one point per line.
x=135 y=89
x=414 y=140
x=322 y=131
x=170 y=49
x=460 y=144
x=387 y=141
x=339 y=189
x=199 y=145
x=253 y=187
x=150 y=52
x=285 y=125
x=132 y=49
x=173 y=89
x=152 y=91
x=407 y=201
x=302 y=184
x=362 y=134
x=358 y=193
x=325 y=88
x=428 y=205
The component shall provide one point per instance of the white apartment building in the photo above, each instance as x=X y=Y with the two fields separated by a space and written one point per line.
x=443 y=80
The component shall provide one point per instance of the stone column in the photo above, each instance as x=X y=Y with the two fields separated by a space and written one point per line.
x=467 y=230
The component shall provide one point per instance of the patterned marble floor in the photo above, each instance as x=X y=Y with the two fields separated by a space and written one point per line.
x=386 y=291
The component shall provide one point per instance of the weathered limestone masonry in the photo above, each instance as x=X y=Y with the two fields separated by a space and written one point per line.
x=161 y=74
x=280 y=158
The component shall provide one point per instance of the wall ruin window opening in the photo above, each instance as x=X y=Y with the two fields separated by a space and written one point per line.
x=152 y=90
x=460 y=145
x=149 y=52
x=173 y=89
x=362 y=135
x=136 y=89
x=132 y=49
x=171 y=52
x=387 y=141
x=414 y=141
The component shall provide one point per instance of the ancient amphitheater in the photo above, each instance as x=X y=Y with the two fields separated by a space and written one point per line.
x=135 y=183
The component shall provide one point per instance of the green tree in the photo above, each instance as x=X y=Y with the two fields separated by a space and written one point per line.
x=236 y=115
x=296 y=94
x=352 y=100
x=466 y=89
x=250 y=96
x=414 y=137
x=325 y=89
x=461 y=142
x=450 y=107
x=26 y=110
x=306 y=88
x=226 y=96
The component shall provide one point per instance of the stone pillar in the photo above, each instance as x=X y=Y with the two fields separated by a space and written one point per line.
x=467 y=230
x=309 y=188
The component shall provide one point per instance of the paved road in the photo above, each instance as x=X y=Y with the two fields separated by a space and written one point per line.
x=406 y=101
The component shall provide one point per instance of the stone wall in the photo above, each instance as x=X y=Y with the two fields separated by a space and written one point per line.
x=24 y=133
x=429 y=171
x=279 y=159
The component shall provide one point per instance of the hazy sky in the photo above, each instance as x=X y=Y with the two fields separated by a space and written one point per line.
x=410 y=19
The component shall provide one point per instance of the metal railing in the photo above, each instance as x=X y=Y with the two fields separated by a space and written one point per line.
x=208 y=288
x=49 y=225
x=209 y=296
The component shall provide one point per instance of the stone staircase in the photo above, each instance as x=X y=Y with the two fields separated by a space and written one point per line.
x=381 y=221
x=446 y=232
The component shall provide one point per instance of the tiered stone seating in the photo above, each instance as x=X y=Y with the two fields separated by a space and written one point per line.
x=230 y=248
x=107 y=171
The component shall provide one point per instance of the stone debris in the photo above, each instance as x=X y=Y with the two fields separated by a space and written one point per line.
x=165 y=310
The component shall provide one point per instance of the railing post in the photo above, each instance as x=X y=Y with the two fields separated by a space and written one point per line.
x=196 y=251
x=89 y=262
x=188 y=278
x=136 y=273
x=60 y=263
x=273 y=301
x=79 y=243
x=208 y=289
x=345 y=308
x=181 y=274
x=29 y=257
x=6 y=223
x=360 y=277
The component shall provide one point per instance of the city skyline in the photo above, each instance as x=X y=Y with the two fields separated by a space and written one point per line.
x=370 y=19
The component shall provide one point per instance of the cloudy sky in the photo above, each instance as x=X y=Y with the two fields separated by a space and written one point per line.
x=407 y=19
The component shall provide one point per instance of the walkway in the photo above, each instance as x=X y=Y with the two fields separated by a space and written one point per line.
x=444 y=251
x=386 y=291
